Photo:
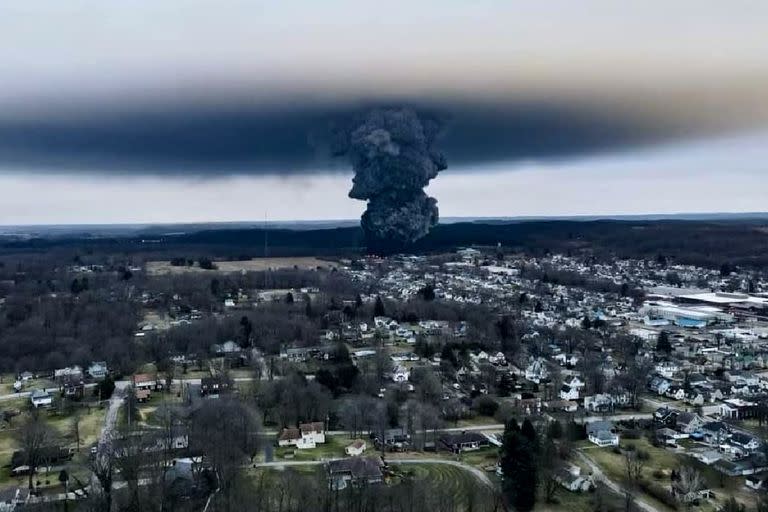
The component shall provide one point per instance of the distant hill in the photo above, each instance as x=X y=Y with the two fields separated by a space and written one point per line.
x=703 y=242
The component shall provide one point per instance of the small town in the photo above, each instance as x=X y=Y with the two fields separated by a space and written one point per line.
x=402 y=256
x=615 y=384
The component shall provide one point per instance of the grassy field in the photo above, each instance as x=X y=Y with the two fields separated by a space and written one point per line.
x=253 y=265
x=456 y=485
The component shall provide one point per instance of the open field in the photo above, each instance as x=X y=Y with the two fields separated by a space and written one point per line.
x=253 y=265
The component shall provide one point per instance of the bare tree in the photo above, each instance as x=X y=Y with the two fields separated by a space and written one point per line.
x=225 y=432
x=75 y=428
x=103 y=466
x=634 y=463
x=35 y=437
x=688 y=484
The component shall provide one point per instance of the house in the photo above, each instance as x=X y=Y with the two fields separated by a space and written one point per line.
x=537 y=372
x=666 y=415
x=98 y=370
x=668 y=436
x=571 y=479
x=26 y=376
x=142 y=395
x=465 y=441
x=356 y=471
x=566 y=359
x=737 y=409
x=659 y=385
x=290 y=437
x=41 y=398
x=401 y=374
x=754 y=482
x=497 y=359
x=688 y=422
x=73 y=387
x=708 y=457
x=69 y=371
x=315 y=430
x=574 y=382
x=569 y=393
x=715 y=432
x=144 y=381
x=228 y=348
x=395 y=439
x=605 y=402
x=602 y=433
x=562 y=405
x=215 y=385
x=744 y=443
x=356 y=448
x=307 y=436
x=675 y=393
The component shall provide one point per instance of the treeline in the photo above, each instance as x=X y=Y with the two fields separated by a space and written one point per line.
x=705 y=243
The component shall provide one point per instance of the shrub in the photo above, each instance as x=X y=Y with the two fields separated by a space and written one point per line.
x=660 y=493
x=485 y=405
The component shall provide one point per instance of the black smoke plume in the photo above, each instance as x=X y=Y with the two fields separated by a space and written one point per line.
x=393 y=157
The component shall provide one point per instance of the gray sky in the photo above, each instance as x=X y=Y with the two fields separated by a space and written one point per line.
x=695 y=69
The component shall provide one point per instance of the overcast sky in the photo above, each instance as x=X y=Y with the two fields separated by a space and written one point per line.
x=110 y=111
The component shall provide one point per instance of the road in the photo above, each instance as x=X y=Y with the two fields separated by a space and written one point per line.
x=479 y=475
x=490 y=427
x=110 y=419
x=619 y=489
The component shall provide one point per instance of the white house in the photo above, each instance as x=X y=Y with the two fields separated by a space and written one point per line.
x=69 y=371
x=315 y=430
x=601 y=433
x=401 y=374
x=497 y=358
x=574 y=382
x=308 y=435
x=41 y=398
x=537 y=371
x=356 y=448
x=566 y=359
x=569 y=393
x=573 y=480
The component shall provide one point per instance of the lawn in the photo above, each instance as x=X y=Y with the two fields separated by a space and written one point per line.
x=457 y=486
x=333 y=448
x=158 y=398
x=481 y=458
x=566 y=501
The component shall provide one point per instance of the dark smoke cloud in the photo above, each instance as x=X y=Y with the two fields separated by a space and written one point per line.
x=285 y=138
x=393 y=156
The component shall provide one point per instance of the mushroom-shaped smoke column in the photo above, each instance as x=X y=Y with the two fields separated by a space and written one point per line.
x=393 y=157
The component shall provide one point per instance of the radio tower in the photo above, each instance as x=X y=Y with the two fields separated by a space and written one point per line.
x=266 y=245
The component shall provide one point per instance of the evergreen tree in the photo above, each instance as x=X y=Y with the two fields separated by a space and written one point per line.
x=555 y=430
x=518 y=464
x=378 y=307
x=663 y=344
